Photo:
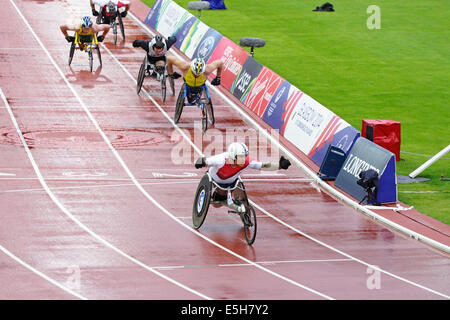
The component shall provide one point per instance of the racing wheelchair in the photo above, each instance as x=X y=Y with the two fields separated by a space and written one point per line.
x=88 y=44
x=110 y=15
x=195 y=96
x=208 y=193
x=148 y=69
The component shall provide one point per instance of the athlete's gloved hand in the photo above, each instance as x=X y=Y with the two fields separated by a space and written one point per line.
x=100 y=38
x=136 y=43
x=216 y=81
x=123 y=14
x=200 y=163
x=94 y=12
x=284 y=163
x=175 y=75
x=70 y=39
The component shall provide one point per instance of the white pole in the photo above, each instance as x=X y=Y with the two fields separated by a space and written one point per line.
x=413 y=174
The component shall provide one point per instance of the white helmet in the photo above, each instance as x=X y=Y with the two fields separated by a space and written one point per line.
x=198 y=66
x=237 y=149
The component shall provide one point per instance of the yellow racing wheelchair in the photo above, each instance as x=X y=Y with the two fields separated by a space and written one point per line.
x=88 y=44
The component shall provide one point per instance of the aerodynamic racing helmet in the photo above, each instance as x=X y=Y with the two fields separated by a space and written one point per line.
x=237 y=149
x=86 y=22
x=198 y=66
x=159 y=44
x=111 y=7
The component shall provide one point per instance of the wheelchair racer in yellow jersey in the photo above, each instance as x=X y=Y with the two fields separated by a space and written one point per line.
x=196 y=72
x=85 y=32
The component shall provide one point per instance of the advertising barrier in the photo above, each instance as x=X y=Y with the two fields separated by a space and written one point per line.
x=262 y=91
x=233 y=58
x=363 y=156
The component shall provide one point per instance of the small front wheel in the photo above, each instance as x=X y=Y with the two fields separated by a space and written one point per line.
x=91 y=60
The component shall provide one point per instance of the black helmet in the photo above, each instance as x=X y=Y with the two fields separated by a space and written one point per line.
x=159 y=44
x=111 y=7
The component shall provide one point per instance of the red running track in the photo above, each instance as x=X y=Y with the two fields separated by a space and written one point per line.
x=94 y=205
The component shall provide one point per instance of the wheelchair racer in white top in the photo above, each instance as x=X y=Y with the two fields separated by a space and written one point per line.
x=225 y=168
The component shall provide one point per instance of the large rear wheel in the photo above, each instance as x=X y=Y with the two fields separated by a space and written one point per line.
x=210 y=108
x=180 y=104
x=99 y=55
x=141 y=76
x=249 y=220
x=204 y=108
x=71 y=53
x=163 y=86
x=122 y=29
x=201 y=202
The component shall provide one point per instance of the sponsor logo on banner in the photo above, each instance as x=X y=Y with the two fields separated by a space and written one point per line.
x=273 y=115
x=244 y=81
x=289 y=106
x=207 y=44
x=262 y=91
x=363 y=156
x=233 y=58
x=193 y=38
x=307 y=122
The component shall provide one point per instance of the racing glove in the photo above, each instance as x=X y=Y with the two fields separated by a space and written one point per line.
x=100 y=38
x=200 y=163
x=70 y=39
x=216 y=81
x=94 y=12
x=284 y=163
x=175 y=75
x=123 y=14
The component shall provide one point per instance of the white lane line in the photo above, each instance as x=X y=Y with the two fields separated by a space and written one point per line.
x=178 y=220
x=42 y=275
x=247 y=265
x=51 y=194
x=291 y=156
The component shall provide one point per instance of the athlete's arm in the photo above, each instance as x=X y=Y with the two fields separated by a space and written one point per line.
x=269 y=166
x=172 y=61
x=141 y=44
x=64 y=28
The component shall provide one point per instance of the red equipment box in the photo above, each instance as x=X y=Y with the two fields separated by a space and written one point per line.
x=385 y=133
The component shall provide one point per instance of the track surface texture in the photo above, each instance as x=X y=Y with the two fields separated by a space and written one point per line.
x=94 y=207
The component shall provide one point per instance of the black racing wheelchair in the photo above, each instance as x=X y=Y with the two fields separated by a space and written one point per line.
x=234 y=197
x=159 y=73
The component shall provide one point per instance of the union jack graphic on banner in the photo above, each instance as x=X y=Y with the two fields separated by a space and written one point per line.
x=289 y=106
